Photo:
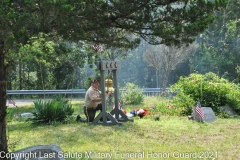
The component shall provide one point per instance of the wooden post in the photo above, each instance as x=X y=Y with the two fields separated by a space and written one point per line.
x=102 y=66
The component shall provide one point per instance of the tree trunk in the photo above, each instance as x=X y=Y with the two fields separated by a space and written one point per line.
x=165 y=81
x=20 y=78
x=3 y=78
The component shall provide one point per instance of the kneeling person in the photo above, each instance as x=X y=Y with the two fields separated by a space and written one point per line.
x=92 y=102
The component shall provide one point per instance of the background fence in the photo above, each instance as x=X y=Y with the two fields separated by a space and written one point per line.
x=68 y=92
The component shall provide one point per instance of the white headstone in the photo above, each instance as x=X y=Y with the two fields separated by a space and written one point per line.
x=27 y=115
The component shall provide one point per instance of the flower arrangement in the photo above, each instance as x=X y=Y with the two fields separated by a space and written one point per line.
x=139 y=112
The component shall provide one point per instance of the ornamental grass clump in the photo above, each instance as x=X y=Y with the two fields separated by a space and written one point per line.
x=49 y=112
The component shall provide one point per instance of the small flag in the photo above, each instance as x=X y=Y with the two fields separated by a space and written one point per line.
x=199 y=110
x=10 y=101
x=119 y=106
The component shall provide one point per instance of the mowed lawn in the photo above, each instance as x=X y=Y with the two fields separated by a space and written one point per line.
x=171 y=137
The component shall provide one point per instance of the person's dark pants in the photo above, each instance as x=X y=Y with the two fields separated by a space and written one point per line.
x=91 y=112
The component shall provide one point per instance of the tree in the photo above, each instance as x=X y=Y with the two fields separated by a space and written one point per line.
x=219 y=45
x=72 y=57
x=46 y=64
x=134 y=69
x=41 y=52
x=166 y=58
x=102 y=21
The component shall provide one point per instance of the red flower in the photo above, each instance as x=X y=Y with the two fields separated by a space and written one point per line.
x=170 y=106
x=142 y=112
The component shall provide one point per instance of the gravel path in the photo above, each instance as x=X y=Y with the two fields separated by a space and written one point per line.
x=23 y=102
x=19 y=103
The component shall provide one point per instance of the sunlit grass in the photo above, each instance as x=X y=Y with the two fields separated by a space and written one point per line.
x=169 y=138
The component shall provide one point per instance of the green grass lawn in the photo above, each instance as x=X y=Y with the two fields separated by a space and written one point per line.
x=169 y=138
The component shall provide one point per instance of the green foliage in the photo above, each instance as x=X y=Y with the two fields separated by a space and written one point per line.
x=223 y=114
x=132 y=94
x=234 y=98
x=211 y=90
x=43 y=63
x=184 y=103
x=87 y=82
x=180 y=106
x=9 y=115
x=102 y=23
x=219 y=50
x=36 y=58
x=72 y=58
x=48 y=112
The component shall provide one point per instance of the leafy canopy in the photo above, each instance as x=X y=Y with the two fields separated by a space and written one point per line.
x=108 y=21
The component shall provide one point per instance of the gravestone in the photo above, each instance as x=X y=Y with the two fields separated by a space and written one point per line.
x=27 y=115
x=40 y=152
x=229 y=110
x=209 y=115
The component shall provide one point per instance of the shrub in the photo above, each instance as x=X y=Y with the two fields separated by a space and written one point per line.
x=184 y=103
x=234 y=98
x=132 y=94
x=211 y=90
x=56 y=110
